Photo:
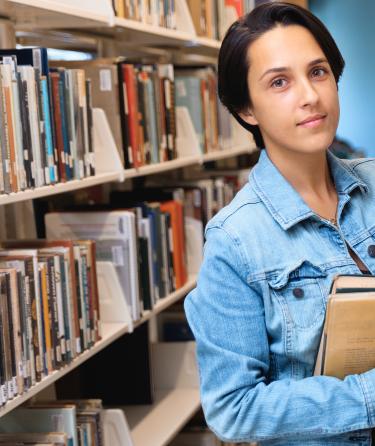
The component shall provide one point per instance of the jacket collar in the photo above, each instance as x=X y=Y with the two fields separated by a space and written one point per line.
x=283 y=202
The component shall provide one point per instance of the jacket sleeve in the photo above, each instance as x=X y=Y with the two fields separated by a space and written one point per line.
x=227 y=318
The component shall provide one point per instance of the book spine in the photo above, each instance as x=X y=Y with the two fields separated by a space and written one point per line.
x=25 y=119
x=132 y=103
x=46 y=319
x=37 y=366
x=12 y=387
x=42 y=323
x=3 y=141
x=65 y=125
x=90 y=129
x=124 y=112
x=11 y=155
x=48 y=130
x=42 y=129
x=58 y=125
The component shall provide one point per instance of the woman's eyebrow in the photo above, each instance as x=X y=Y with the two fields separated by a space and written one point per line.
x=281 y=69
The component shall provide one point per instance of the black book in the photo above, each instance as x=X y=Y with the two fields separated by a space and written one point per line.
x=36 y=57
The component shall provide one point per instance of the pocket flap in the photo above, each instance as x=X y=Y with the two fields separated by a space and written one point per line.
x=303 y=269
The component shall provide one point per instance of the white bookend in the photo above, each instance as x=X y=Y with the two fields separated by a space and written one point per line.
x=174 y=365
x=115 y=427
x=194 y=244
x=107 y=158
x=112 y=302
x=187 y=142
x=184 y=21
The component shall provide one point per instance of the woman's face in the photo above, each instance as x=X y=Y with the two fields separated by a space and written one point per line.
x=290 y=80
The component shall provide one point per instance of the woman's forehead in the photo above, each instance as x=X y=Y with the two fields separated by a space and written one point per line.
x=283 y=46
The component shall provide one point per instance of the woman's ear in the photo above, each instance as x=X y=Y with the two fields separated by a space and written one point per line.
x=248 y=116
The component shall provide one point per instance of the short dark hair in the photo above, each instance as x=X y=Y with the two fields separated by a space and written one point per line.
x=233 y=65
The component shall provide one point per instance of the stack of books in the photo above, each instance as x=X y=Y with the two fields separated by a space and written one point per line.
x=348 y=340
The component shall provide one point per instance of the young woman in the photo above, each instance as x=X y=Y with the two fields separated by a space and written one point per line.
x=304 y=216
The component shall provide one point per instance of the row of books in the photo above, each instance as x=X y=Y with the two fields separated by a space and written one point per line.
x=151 y=12
x=138 y=242
x=62 y=423
x=153 y=241
x=140 y=103
x=138 y=100
x=209 y=17
x=45 y=122
x=49 y=309
x=212 y=18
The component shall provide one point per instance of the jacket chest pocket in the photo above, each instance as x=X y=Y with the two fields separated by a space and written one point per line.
x=299 y=293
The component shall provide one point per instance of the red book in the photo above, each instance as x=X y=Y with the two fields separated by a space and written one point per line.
x=175 y=209
x=130 y=87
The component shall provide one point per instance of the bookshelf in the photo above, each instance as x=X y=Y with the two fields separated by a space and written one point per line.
x=110 y=332
x=48 y=14
x=147 y=34
x=150 y=425
x=188 y=161
x=59 y=188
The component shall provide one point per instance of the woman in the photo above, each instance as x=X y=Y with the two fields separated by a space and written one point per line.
x=270 y=255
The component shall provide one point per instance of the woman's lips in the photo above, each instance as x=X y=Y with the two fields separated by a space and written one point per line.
x=312 y=124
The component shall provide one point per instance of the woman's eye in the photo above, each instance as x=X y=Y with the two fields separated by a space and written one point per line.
x=319 y=71
x=278 y=83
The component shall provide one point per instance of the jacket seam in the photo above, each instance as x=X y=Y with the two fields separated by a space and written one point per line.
x=369 y=403
x=224 y=219
x=237 y=243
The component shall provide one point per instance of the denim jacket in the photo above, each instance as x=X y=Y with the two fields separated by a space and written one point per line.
x=258 y=309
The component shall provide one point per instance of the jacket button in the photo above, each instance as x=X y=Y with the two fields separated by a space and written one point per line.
x=371 y=250
x=298 y=292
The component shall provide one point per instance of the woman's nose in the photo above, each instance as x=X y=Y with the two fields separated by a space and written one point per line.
x=308 y=94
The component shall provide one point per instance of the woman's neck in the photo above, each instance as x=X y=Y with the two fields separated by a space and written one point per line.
x=308 y=173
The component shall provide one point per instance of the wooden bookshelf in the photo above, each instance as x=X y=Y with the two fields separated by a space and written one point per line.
x=158 y=423
x=188 y=161
x=144 y=34
x=59 y=188
x=69 y=14
x=50 y=14
x=70 y=186
x=110 y=332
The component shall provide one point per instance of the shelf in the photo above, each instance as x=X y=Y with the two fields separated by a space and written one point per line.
x=165 y=302
x=70 y=14
x=227 y=153
x=188 y=161
x=110 y=332
x=102 y=178
x=58 y=188
x=157 y=424
x=31 y=14
x=144 y=34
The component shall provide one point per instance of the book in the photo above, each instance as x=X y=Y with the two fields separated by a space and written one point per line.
x=348 y=340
